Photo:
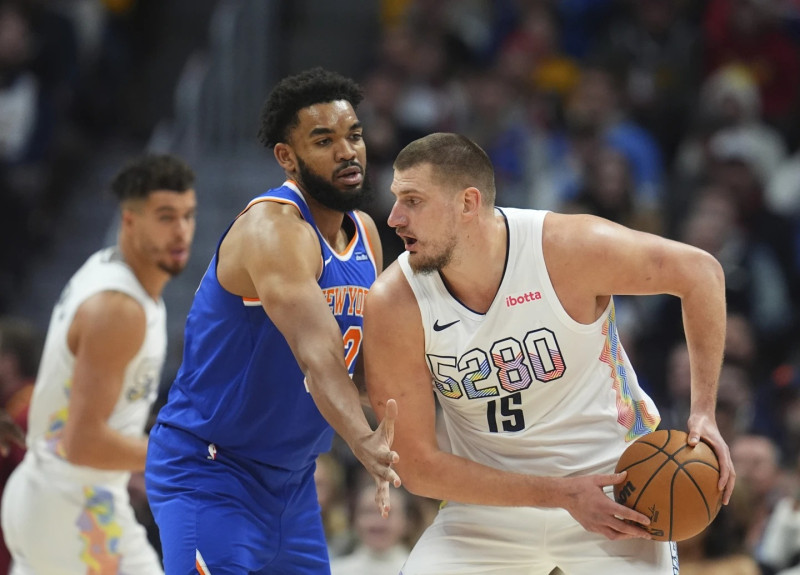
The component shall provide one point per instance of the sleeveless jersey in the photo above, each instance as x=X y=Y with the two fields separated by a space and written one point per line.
x=103 y=271
x=239 y=386
x=524 y=387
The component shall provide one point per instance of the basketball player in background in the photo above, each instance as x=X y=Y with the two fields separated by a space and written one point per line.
x=66 y=509
x=508 y=314
x=272 y=340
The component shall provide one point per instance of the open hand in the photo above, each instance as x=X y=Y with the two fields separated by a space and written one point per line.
x=375 y=453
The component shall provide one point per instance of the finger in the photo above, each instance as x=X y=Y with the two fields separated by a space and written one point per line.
x=393 y=478
x=694 y=438
x=630 y=529
x=383 y=497
x=391 y=410
x=390 y=458
x=729 y=485
x=389 y=417
x=627 y=514
x=613 y=479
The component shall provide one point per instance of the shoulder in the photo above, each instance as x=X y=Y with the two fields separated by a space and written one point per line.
x=391 y=289
x=369 y=223
x=109 y=318
x=566 y=233
x=265 y=222
x=373 y=236
x=114 y=306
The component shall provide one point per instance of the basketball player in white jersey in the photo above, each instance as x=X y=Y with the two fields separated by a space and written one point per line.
x=506 y=317
x=65 y=509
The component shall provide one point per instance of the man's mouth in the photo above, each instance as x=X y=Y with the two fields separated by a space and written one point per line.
x=351 y=176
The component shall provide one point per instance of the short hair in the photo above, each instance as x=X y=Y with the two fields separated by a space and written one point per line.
x=20 y=338
x=456 y=161
x=293 y=93
x=149 y=173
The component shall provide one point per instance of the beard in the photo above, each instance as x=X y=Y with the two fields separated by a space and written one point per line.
x=172 y=269
x=430 y=264
x=328 y=195
x=426 y=265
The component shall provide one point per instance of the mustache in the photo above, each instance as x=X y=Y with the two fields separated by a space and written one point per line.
x=350 y=164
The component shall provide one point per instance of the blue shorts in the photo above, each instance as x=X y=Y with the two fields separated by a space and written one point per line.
x=222 y=514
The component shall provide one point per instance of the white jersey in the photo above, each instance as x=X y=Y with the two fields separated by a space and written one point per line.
x=103 y=271
x=524 y=387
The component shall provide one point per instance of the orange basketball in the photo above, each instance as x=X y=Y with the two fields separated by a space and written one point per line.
x=674 y=484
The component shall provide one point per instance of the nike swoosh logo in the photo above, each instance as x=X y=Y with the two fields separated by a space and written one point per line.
x=440 y=327
x=328 y=260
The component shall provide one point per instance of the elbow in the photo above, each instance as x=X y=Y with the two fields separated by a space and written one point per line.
x=418 y=476
x=714 y=271
x=74 y=452
x=76 y=448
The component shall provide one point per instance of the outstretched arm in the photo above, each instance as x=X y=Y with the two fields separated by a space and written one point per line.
x=271 y=253
x=396 y=368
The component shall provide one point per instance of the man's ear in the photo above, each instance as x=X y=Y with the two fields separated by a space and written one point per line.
x=127 y=216
x=472 y=201
x=285 y=157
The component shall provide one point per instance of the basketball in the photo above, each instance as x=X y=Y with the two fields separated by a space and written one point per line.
x=674 y=484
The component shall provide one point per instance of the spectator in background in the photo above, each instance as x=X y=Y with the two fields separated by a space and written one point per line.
x=748 y=32
x=755 y=282
x=597 y=102
x=330 y=479
x=780 y=548
x=729 y=99
x=26 y=128
x=757 y=462
x=658 y=53
x=608 y=191
x=383 y=544
x=719 y=549
x=20 y=348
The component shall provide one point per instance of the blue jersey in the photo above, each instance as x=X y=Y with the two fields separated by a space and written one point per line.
x=239 y=386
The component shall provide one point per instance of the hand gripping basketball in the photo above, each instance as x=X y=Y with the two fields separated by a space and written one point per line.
x=674 y=484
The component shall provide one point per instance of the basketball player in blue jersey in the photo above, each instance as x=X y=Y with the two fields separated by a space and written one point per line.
x=507 y=315
x=272 y=340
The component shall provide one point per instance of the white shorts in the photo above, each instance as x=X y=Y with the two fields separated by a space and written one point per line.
x=63 y=528
x=470 y=539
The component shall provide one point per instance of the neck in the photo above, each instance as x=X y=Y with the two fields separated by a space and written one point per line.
x=152 y=278
x=329 y=223
x=476 y=271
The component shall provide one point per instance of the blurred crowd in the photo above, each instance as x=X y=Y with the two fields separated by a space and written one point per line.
x=677 y=117
x=73 y=75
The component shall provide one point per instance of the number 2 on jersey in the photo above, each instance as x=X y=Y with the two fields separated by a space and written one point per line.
x=352 y=344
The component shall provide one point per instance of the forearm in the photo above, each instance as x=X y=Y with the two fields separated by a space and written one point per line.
x=449 y=477
x=704 y=320
x=107 y=449
x=337 y=399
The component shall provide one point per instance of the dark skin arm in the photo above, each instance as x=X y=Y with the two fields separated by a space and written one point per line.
x=272 y=254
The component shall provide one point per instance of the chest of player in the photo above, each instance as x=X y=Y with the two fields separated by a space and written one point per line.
x=522 y=347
